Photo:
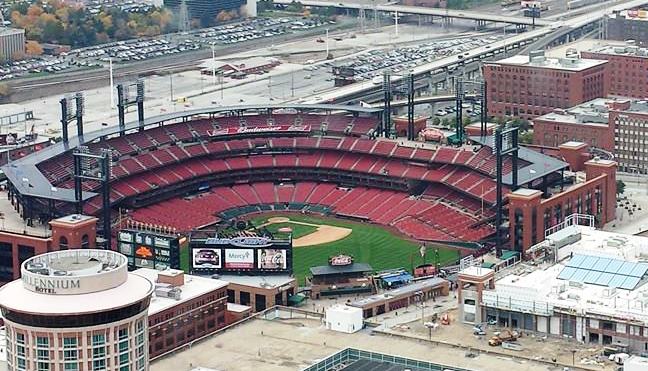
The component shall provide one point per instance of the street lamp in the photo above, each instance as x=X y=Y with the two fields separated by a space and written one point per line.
x=421 y=297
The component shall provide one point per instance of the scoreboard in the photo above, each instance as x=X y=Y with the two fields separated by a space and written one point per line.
x=261 y=255
x=149 y=249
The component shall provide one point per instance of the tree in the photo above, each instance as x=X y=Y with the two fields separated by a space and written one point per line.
x=526 y=137
x=620 y=187
x=5 y=90
x=466 y=121
x=445 y=122
x=436 y=121
x=33 y=48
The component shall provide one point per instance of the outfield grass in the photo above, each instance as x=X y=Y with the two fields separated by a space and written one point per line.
x=298 y=230
x=367 y=244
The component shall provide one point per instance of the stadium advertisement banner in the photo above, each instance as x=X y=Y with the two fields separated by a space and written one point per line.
x=272 y=259
x=207 y=258
x=259 y=129
x=239 y=258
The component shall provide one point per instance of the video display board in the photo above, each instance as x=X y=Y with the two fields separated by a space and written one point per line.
x=147 y=249
x=240 y=254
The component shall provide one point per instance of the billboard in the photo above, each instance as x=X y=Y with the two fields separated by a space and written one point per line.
x=272 y=259
x=239 y=258
x=207 y=258
x=211 y=253
x=148 y=249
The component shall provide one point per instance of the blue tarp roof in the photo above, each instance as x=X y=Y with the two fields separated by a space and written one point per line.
x=401 y=277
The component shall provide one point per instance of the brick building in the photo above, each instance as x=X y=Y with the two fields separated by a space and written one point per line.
x=534 y=85
x=627 y=66
x=617 y=125
x=69 y=232
x=531 y=214
x=627 y=25
x=587 y=122
x=183 y=308
x=260 y=292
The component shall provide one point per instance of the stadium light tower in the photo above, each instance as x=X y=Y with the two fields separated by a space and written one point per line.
x=506 y=142
x=126 y=98
x=388 y=90
x=94 y=167
x=72 y=112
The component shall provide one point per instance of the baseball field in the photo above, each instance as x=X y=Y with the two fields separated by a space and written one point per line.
x=316 y=239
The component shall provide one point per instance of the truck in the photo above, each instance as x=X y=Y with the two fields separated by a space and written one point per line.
x=504 y=336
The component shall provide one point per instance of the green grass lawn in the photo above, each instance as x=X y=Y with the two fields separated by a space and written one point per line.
x=367 y=244
x=298 y=230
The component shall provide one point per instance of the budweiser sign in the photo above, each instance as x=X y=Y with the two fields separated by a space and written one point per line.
x=341 y=260
x=258 y=129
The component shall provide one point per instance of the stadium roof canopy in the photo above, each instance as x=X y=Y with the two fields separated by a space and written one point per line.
x=539 y=166
x=29 y=181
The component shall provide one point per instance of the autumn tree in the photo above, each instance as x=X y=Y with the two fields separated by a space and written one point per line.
x=33 y=48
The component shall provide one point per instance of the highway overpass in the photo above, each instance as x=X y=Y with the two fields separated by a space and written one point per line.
x=434 y=12
x=425 y=100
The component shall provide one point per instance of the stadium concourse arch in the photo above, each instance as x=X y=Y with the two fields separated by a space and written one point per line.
x=195 y=168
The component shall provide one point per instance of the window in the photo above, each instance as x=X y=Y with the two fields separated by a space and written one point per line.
x=43 y=354
x=123 y=333
x=42 y=342
x=72 y=366
x=43 y=366
x=99 y=365
x=123 y=358
x=98 y=339
x=85 y=241
x=63 y=243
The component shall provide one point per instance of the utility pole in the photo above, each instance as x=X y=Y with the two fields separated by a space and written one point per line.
x=396 y=22
x=327 y=43
x=112 y=87
x=292 y=83
x=213 y=64
x=171 y=85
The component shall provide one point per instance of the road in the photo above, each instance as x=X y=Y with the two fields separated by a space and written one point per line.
x=438 y=12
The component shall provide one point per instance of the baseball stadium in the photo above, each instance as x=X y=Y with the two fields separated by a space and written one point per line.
x=324 y=171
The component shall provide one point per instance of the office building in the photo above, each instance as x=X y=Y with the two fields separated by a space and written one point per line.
x=627 y=67
x=76 y=310
x=616 y=125
x=12 y=43
x=534 y=85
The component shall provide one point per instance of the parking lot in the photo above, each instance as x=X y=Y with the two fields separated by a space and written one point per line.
x=369 y=65
x=142 y=49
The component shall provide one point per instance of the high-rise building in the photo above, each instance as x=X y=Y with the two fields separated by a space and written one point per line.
x=530 y=86
x=627 y=67
x=77 y=310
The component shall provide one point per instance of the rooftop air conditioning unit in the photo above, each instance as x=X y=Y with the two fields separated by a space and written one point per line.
x=60 y=273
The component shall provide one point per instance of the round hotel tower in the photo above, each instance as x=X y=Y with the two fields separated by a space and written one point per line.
x=76 y=310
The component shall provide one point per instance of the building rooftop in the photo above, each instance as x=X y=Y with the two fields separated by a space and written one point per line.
x=264 y=282
x=596 y=272
x=4 y=31
x=596 y=112
x=194 y=286
x=635 y=15
x=74 y=219
x=403 y=290
x=323 y=270
x=238 y=308
x=628 y=48
x=567 y=64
